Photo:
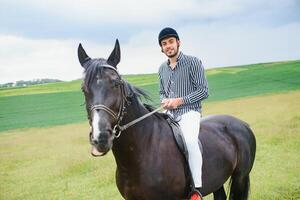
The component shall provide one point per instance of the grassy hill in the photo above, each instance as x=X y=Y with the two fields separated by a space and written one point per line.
x=55 y=163
x=61 y=103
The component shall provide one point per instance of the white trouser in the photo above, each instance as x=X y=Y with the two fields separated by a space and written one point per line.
x=190 y=126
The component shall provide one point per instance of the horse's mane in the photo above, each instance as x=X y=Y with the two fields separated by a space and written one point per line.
x=135 y=93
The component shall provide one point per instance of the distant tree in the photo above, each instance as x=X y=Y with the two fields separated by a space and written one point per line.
x=6 y=85
x=22 y=83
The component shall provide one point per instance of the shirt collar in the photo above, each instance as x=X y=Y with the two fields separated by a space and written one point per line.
x=179 y=57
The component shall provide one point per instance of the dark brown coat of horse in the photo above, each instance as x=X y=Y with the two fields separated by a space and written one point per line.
x=149 y=164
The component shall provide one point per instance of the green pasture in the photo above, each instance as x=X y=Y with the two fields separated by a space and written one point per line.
x=41 y=110
x=256 y=79
x=54 y=163
x=39 y=160
x=61 y=103
x=140 y=80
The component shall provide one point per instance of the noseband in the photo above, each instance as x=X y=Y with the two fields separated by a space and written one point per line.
x=106 y=109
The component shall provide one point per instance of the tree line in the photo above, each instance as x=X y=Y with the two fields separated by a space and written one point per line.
x=23 y=83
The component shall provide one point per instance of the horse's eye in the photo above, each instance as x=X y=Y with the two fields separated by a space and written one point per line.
x=116 y=83
x=85 y=90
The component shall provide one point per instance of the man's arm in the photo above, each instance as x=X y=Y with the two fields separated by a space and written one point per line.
x=199 y=81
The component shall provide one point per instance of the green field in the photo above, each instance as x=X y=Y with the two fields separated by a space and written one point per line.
x=43 y=161
x=60 y=103
x=54 y=163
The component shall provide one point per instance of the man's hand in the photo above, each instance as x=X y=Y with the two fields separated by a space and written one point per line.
x=171 y=103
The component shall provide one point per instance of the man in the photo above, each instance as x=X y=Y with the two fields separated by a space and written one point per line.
x=183 y=86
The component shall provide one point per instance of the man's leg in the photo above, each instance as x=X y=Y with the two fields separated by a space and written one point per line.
x=190 y=126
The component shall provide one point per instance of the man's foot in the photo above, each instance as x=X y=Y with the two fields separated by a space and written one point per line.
x=196 y=195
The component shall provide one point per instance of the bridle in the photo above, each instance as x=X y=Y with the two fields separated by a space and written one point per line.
x=117 y=130
x=118 y=117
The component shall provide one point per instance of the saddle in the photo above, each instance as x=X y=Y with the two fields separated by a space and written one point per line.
x=178 y=136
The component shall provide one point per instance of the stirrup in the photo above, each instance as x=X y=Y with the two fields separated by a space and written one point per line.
x=195 y=195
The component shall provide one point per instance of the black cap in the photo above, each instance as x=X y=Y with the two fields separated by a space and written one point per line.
x=167 y=32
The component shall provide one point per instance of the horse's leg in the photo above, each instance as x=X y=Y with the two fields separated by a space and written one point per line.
x=239 y=188
x=220 y=194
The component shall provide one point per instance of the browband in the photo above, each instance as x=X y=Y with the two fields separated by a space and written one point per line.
x=110 y=67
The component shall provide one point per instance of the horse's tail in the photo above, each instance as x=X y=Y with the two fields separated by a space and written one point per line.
x=239 y=187
x=245 y=142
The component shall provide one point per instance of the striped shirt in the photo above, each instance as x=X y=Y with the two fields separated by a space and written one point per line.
x=187 y=80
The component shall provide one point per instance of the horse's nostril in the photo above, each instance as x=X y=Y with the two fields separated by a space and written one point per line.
x=94 y=141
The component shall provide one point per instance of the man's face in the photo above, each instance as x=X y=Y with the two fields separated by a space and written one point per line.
x=170 y=46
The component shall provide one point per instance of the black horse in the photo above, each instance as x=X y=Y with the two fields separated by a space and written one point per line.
x=149 y=164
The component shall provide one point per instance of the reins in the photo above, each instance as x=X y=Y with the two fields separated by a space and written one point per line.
x=124 y=127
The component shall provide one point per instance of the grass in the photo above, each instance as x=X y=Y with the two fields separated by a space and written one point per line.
x=54 y=162
x=59 y=103
x=276 y=124
x=250 y=80
x=41 y=110
x=140 y=80
x=42 y=88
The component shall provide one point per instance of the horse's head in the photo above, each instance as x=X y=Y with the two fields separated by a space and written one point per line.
x=105 y=96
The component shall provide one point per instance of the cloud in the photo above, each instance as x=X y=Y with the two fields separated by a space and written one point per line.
x=223 y=45
x=39 y=39
x=99 y=20
x=22 y=58
x=130 y=11
x=25 y=59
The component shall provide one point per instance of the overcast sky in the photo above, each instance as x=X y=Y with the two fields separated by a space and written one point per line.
x=39 y=39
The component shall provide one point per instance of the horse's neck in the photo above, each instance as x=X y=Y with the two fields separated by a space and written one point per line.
x=134 y=111
x=133 y=141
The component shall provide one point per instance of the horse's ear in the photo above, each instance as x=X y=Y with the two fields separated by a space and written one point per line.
x=82 y=56
x=115 y=55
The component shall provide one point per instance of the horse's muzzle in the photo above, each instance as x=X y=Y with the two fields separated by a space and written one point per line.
x=96 y=153
x=101 y=145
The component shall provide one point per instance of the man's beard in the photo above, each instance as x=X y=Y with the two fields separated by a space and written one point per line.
x=174 y=54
